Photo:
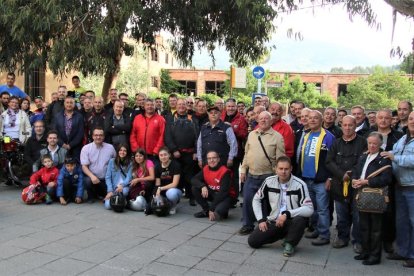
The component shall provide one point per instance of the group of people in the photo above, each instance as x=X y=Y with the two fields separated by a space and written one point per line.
x=293 y=169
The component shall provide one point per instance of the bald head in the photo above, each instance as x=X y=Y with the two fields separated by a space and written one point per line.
x=315 y=120
x=98 y=103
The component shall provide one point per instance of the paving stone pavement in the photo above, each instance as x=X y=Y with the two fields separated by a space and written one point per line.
x=86 y=239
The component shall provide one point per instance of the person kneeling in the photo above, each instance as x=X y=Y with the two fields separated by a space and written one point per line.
x=70 y=182
x=213 y=184
x=290 y=204
x=46 y=178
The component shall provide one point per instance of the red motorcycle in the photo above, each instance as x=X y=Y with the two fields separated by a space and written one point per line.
x=14 y=168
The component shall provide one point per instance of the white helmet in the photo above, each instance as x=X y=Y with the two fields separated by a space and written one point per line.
x=139 y=204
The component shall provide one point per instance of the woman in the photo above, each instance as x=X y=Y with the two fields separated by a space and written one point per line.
x=15 y=122
x=25 y=106
x=167 y=177
x=143 y=176
x=402 y=157
x=371 y=223
x=118 y=174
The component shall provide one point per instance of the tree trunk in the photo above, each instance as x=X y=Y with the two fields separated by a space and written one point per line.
x=405 y=7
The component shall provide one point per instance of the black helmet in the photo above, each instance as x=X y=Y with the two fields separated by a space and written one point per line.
x=160 y=206
x=118 y=202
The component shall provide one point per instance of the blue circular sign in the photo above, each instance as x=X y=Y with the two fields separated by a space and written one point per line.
x=258 y=72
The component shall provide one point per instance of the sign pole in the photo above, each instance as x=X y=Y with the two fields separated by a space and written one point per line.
x=259 y=85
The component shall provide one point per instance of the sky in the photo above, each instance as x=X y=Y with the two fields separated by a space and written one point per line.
x=330 y=39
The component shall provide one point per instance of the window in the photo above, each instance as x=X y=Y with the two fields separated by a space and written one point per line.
x=154 y=54
x=34 y=82
x=154 y=81
x=342 y=89
x=215 y=87
x=189 y=88
x=166 y=58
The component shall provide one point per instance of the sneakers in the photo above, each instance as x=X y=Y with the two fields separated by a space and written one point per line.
x=245 y=230
x=320 y=241
x=202 y=214
x=288 y=249
x=173 y=210
x=357 y=248
x=312 y=235
x=409 y=263
x=338 y=243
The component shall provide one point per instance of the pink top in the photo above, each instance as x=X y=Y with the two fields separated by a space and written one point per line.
x=149 y=164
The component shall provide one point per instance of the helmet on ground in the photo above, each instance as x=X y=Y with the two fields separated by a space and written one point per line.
x=139 y=204
x=33 y=194
x=160 y=206
x=117 y=202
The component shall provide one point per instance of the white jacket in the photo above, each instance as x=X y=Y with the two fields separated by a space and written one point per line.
x=25 y=129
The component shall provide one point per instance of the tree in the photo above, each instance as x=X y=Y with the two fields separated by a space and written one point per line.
x=379 y=90
x=168 y=85
x=407 y=65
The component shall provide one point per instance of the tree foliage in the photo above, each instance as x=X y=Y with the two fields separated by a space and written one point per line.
x=379 y=90
x=407 y=65
x=167 y=84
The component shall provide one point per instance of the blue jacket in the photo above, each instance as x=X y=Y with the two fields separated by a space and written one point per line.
x=76 y=176
x=403 y=163
x=115 y=176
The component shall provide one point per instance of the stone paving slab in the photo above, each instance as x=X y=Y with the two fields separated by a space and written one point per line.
x=86 y=239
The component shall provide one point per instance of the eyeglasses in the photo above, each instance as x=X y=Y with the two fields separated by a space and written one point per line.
x=212 y=158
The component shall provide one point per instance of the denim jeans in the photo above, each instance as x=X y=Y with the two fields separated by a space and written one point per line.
x=174 y=195
x=404 y=202
x=347 y=215
x=250 y=188
x=107 y=203
x=320 y=219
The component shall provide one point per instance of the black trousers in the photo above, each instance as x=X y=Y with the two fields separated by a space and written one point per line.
x=69 y=190
x=292 y=232
x=370 y=225
x=389 y=224
x=236 y=178
x=222 y=209
x=95 y=190
x=189 y=168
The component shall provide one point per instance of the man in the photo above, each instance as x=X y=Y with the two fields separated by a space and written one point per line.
x=390 y=138
x=96 y=118
x=172 y=106
x=90 y=94
x=201 y=112
x=113 y=96
x=220 y=104
x=127 y=110
x=218 y=136
x=297 y=124
x=94 y=160
x=264 y=145
x=290 y=205
x=190 y=105
x=266 y=102
x=291 y=116
x=34 y=144
x=159 y=105
x=77 y=88
x=148 y=131
x=341 y=113
x=117 y=125
x=239 y=125
x=299 y=135
x=54 y=96
x=257 y=110
x=38 y=113
x=4 y=97
x=213 y=184
x=258 y=101
x=181 y=134
x=395 y=120
x=55 y=107
x=404 y=109
x=240 y=107
x=139 y=104
x=69 y=126
x=372 y=117
x=12 y=89
x=276 y=109
x=57 y=153
x=87 y=107
x=329 y=119
x=313 y=171
x=342 y=157
x=358 y=112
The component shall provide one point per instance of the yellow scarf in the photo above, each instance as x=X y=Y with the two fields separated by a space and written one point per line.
x=318 y=148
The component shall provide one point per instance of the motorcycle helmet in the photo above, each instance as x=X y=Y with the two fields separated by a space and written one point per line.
x=160 y=206
x=139 y=204
x=118 y=202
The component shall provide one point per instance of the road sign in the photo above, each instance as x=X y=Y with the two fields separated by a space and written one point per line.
x=238 y=77
x=258 y=72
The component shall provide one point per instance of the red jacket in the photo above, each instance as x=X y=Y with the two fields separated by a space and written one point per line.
x=239 y=126
x=148 y=133
x=288 y=136
x=45 y=175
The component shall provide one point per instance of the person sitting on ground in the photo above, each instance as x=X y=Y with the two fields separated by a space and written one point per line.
x=290 y=204
x=57 y=153
x=143 y=176
x=46 y=177
x=70 y=182
x=118 y=174
x=213 y=184
x=167 y=177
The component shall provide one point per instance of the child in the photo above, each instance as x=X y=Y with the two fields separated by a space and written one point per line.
x=70 y=182
x=46 y=177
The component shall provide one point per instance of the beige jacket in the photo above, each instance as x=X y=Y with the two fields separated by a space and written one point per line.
x=25 y=129
x=255 y=159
